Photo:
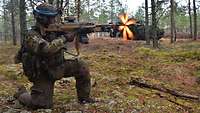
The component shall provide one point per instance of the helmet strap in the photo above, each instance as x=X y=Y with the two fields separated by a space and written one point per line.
x=40 y=28
x=43 y=33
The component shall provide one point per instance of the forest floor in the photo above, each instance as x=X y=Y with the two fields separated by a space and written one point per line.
x=112 y=64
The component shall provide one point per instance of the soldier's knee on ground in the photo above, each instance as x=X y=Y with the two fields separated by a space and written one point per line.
x=25 y=99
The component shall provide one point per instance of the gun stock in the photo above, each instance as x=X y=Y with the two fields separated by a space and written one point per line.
x=82 y=29
x=78 y=27
x=69 y=27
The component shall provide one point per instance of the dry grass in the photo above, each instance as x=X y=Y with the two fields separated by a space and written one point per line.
x=112 y=64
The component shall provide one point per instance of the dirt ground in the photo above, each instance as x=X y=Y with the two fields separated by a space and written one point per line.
x=113 y=63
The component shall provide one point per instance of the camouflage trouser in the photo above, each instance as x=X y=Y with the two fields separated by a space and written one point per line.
x=42 y=90
x=80 y=71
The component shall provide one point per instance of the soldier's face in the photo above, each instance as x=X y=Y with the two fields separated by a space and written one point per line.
x=45 y=21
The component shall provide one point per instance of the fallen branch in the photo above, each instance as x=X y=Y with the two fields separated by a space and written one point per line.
x=187 y=108
x=144 y=84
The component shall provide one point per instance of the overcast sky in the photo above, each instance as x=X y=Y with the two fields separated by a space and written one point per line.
x=133 y=5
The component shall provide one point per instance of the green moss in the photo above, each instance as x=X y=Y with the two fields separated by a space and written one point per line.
x=151 y=52
x=197 y=73
x=63 y=97
x=139 y=72
x=112 y=72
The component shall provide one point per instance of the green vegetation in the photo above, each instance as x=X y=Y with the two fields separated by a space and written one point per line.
x=112 y=66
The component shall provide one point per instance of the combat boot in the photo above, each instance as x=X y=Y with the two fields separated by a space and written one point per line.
x=86 y=100
x=20 y=90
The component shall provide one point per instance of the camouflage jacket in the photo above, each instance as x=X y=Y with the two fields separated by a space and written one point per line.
x=42 y=53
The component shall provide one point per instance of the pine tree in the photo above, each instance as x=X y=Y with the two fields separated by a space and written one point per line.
x=190 y=17
x=147 y=22
x=195 y=19
x=23 y=24
x=50 y=1
x=13 y=23
x=154 y=24
x=5 y=23
x=172 y=22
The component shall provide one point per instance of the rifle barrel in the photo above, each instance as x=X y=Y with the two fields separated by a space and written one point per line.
x=70 y=27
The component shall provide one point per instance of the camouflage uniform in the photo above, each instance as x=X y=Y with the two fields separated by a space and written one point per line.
x=43 y=63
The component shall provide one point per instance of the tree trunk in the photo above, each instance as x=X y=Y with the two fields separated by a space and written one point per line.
x=154 y=25
x=13 y=23
x=195 y=19
x=67 y=6
x=78 y=9
x=60 y=9
x=58 y=4
x=88 y=10
x=111 y=11
x=175 y=32
x=31 y=3
x=4 y=20
x=172 y=22
x=147 y=23
x=61 y=3
x=23 y=24
x=190 y=17
x=50 y=1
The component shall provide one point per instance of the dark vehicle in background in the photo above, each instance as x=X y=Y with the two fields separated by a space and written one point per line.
x=138 y=30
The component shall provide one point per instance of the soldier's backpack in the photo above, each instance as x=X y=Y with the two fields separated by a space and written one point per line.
x=28 y=61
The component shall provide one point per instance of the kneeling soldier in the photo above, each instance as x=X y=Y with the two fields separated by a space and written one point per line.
x=42 y=56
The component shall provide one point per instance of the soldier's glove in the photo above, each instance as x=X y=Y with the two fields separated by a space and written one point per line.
x=70 y=36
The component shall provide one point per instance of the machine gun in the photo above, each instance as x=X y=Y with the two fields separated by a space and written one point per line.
x=81 y=30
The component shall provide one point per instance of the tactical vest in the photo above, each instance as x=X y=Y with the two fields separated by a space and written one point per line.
x=36 y=64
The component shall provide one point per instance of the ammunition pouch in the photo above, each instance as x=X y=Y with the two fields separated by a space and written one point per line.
x=29 y=62
x=54 y=65
x=34 y=67
x=56 y=73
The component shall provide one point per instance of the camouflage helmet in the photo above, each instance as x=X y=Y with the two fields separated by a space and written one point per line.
x=43 y=12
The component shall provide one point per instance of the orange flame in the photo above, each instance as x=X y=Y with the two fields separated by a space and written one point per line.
x=127 y=33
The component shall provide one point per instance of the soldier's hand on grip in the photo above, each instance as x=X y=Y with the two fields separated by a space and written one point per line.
x=70 y=36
